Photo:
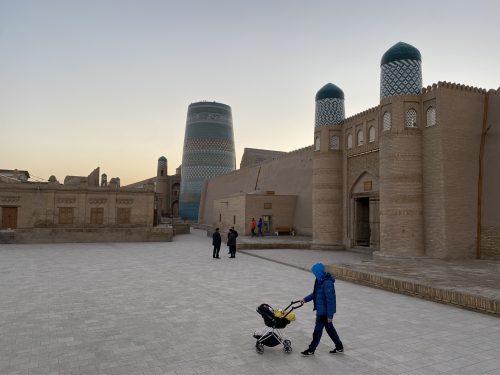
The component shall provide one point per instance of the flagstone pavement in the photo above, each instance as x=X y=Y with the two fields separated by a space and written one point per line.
x=170 y=308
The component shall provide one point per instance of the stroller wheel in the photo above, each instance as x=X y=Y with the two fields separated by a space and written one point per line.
x=287 y=346
x=259 y=348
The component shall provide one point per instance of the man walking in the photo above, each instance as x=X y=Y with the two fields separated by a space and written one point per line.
x=325 y=304
x=216 y=241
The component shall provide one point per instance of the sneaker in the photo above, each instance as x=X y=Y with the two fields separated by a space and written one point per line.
x=307 y=353
x=337 y=351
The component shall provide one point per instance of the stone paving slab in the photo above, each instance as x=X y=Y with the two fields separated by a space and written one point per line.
x=169 y=308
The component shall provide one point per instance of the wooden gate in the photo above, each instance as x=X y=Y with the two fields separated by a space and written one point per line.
x=9 y=217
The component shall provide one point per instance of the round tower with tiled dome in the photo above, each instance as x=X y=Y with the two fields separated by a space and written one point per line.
x=400 y=71
x=400 y=155
x=327 y=168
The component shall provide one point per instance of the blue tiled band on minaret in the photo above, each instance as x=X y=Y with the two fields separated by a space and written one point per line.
x=329 y=112
x=400 y=77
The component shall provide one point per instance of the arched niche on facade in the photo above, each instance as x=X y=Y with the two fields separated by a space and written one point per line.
x=175 y=208
x=366 y=183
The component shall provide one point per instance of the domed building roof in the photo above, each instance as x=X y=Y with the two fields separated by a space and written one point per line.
x=330 y=91
x=401 y=51
x=162 y=158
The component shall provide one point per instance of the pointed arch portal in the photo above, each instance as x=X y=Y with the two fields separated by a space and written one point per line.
x=364 y=223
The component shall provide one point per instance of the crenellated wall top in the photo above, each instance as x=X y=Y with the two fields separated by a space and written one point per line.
x=357 y=116
x=453 y=86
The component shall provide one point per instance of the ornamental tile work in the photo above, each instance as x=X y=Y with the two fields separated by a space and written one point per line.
x=208 y=152
x=400 y=77
x=329 y=111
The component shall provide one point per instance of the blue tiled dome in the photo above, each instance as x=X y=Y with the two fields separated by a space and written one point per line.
x=330 y=91
x=401 y=51
x=162 y=158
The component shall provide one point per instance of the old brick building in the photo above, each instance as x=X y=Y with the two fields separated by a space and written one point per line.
x=80 y=210
x=417 y=175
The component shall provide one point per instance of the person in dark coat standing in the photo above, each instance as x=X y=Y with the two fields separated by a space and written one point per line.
x=216 y=241
x=231 y=242
x=325 y=304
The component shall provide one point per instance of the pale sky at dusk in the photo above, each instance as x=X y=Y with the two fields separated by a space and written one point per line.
x=107 y=82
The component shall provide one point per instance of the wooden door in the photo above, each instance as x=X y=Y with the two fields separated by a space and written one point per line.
x=9 y=217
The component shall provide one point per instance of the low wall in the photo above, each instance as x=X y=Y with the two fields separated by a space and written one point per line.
x=182 y=228
x=69 y=235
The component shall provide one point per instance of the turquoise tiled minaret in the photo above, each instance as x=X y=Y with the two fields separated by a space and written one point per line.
x=208 y=152
x=329 y=105
x=401 y=71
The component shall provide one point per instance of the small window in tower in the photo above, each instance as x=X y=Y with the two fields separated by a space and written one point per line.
x=316 y=143
x=349 y=141
x=411 y=118
x=371 y=134
x=431 y=117
x=361 y=138
x=387 y=121
x=334 y=142
x=162 y=172
x=220 y=218
x=234 y=220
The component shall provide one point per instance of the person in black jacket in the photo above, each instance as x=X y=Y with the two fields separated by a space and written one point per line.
x=325 y=304
x=216 y=241
x=231 y=242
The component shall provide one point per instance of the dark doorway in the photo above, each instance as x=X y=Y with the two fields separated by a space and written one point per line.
x=267 y=221
x=9 y=218
x=362 y=221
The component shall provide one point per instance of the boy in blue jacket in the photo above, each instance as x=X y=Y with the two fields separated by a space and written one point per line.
x=325 y=305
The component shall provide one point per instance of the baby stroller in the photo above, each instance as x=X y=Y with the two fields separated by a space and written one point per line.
x=275 y=320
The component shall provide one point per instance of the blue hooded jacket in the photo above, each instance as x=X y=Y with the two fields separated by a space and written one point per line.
x=323 y=296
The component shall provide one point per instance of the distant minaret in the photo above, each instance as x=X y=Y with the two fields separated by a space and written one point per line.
x=162 y=186
x=104 y=180
x=208 y=152
x=327 y=168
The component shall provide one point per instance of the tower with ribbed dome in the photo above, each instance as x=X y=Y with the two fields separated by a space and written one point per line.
x=327 y=168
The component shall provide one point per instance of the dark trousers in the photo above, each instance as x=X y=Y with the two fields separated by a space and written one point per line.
x=253 y=232
x=232 y=250
x=216 y=251
x=322 y=322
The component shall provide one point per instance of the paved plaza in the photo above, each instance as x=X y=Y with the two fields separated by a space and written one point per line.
x=169 y=308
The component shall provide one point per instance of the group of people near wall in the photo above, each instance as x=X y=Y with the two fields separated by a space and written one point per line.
x=256 y=225
x=231 y=242
x=231 y=238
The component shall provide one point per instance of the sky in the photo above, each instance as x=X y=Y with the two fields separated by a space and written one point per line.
x=108 y=82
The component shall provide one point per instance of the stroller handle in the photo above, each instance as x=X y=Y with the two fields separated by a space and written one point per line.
x=294 y=305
